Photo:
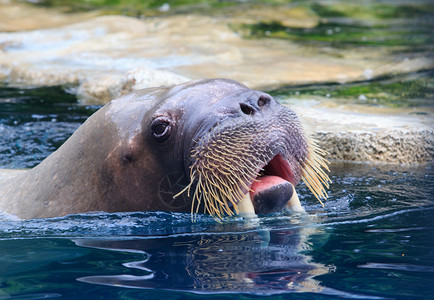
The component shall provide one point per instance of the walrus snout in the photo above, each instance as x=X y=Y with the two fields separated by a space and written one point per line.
x=247 y=158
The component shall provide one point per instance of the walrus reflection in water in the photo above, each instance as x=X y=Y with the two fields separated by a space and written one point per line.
x=211 y=146
x=236 y=262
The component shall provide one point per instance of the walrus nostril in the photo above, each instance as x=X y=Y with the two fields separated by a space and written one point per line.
x=247 y=109
x=263 y=100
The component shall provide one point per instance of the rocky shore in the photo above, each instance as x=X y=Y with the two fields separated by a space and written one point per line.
x=102 y=57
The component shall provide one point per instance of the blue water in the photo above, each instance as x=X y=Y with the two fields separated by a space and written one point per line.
x=373 y=240
x=35 y=121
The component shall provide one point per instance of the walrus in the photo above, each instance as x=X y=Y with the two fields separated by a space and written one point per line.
x=212 y=146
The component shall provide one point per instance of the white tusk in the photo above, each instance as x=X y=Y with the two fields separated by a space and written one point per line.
x=246 y=206
x=294 y=203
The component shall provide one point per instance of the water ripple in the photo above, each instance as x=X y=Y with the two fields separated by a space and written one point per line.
x=398 y=267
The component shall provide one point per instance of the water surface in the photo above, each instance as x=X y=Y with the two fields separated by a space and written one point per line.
x=35 y=121
x=373 y=240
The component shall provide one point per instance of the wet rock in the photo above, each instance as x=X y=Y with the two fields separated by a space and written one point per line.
x=354 y=136
x=95 y=55
x=17 y=16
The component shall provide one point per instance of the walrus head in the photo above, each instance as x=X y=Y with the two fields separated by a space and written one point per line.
x=239 y=145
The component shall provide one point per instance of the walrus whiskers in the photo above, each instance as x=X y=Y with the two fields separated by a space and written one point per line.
x=222 y=171
x=313 y=174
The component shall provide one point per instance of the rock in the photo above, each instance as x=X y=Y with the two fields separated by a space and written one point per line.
x=96 y=54
x=349 y=135
x=105 y=57
x=16 y=16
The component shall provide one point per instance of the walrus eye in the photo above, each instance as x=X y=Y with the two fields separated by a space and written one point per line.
x=161 y=130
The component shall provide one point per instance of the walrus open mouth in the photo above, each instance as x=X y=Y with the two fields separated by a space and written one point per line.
x=278 y=166
x=277 y=173
x=242 y=169
x=271 y=190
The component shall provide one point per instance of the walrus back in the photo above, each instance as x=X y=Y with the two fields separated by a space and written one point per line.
x=6 y=174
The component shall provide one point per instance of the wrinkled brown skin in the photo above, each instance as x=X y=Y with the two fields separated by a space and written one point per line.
x=113 y=163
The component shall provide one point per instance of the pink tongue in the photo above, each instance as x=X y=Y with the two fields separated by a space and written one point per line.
x=265 y=183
